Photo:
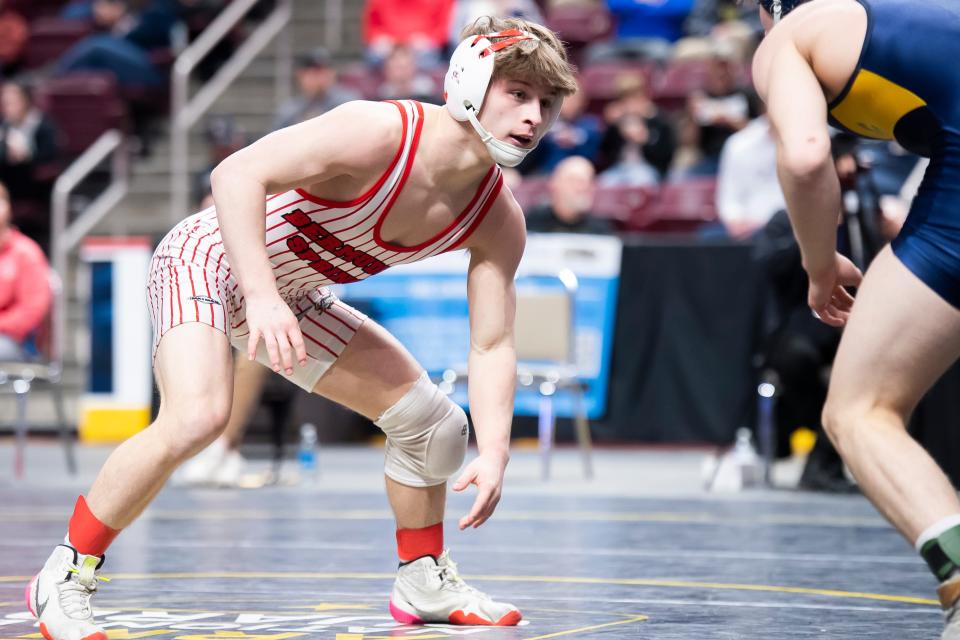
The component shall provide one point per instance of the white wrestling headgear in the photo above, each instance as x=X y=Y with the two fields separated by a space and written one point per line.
x=466 y=82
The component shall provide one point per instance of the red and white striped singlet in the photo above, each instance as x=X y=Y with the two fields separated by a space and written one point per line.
x=311 y=243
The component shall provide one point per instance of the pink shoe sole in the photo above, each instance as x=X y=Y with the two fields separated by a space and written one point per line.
x=402 y=616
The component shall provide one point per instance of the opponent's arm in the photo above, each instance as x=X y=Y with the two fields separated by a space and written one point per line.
x=797 y=109
x=336 y=143
x=492 y=362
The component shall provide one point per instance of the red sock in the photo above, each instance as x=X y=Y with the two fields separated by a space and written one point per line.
x=87 y=534
x=416 y=543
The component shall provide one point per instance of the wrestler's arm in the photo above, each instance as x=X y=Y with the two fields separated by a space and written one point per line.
x=492 y=363
x=797 y=109
x=340 y=142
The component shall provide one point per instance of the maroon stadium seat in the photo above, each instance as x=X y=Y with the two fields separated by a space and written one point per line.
x=361 y=78
x=602 y=81
x=32 y=9
x=50 y=38
x=682 y=206
x=532 y=192
x=623 y=205
x=580 y=26
x=83 y=106
x=678 y=81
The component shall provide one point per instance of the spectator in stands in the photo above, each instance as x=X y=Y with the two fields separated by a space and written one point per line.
x=748 y=191
x=224 y=137
x=318 y=90
x=688 y=153
x=721 y=109
x=634 y=126
x=422 y=25
x=572 y=188
x=633 y=102
x=706 y=15
x=576 y=133
x=24 y=288
x=661 y=20
x=14 y=32
x=124 y=41
x=467 y=11
x=403 y=79
x=27 y=140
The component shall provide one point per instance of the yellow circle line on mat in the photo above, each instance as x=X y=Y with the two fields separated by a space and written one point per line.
x=630 y=582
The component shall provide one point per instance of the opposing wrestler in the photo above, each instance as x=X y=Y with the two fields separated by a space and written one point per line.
x=881 y=69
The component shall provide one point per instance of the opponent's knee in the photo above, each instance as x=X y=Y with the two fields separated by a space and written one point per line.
x=426 y=436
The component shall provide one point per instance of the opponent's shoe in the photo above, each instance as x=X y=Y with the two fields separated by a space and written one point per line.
x=949 y=593
x=59 y=596
x=429 y=590
x=201 y=469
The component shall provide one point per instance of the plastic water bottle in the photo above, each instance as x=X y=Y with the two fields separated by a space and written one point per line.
x=307 y=453
x=747 y=459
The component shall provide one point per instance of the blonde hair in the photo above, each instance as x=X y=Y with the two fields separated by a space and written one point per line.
x=542 y=62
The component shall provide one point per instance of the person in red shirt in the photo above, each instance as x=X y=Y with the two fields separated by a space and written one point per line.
x=421 y=25
x=24 y=292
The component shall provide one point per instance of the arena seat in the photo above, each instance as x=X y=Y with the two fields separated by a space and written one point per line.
x=681 y=206
x=623 y=204
x=33 y=9
x=531 y=192
x=50 y=38
x=83 y=106
x=602 y=81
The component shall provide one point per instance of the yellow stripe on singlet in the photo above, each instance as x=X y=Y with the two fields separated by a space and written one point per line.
x=874 y=106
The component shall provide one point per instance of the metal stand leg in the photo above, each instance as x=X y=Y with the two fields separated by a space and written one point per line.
x=583 y=434
x=546 y=426
x=766 y=436
x=65 y=436
x=21 y=388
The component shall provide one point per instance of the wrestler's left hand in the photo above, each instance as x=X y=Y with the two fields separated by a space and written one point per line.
x=828 y=297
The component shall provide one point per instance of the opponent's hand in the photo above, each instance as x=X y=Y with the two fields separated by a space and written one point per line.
x=828 y=298
x=486 y=471
x=271 y=319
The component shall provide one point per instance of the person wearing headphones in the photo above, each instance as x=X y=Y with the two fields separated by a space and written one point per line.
x=879 y=69
x=337 y=199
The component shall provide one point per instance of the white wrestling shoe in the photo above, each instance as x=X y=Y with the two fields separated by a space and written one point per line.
x=59 y=596
x=430 y=590
x=949 y=593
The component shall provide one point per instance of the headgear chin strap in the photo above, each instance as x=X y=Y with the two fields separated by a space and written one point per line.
x=466 y=83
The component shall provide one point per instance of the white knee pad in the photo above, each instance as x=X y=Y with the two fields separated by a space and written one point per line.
x=426 y=436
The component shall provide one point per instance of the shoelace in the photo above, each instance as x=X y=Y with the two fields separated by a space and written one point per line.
x=450 y=578
x=75 y=593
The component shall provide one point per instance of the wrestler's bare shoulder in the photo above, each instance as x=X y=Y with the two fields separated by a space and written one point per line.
x=828 y=34
x=504 y=226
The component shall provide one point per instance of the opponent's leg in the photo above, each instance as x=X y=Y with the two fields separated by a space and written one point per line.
x=900 y=338
x=195 y=395
x=426 y=441
x=221 y=464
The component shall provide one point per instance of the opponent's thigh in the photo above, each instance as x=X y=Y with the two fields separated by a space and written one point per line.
x=900 y=338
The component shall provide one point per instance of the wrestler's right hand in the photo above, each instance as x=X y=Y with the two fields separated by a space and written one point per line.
x=270 y=318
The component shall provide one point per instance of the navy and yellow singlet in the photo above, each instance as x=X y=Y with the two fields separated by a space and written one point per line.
x=906 y=87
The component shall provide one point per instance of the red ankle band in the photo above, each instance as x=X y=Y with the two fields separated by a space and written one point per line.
x=87 y=534
x=416 y=543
